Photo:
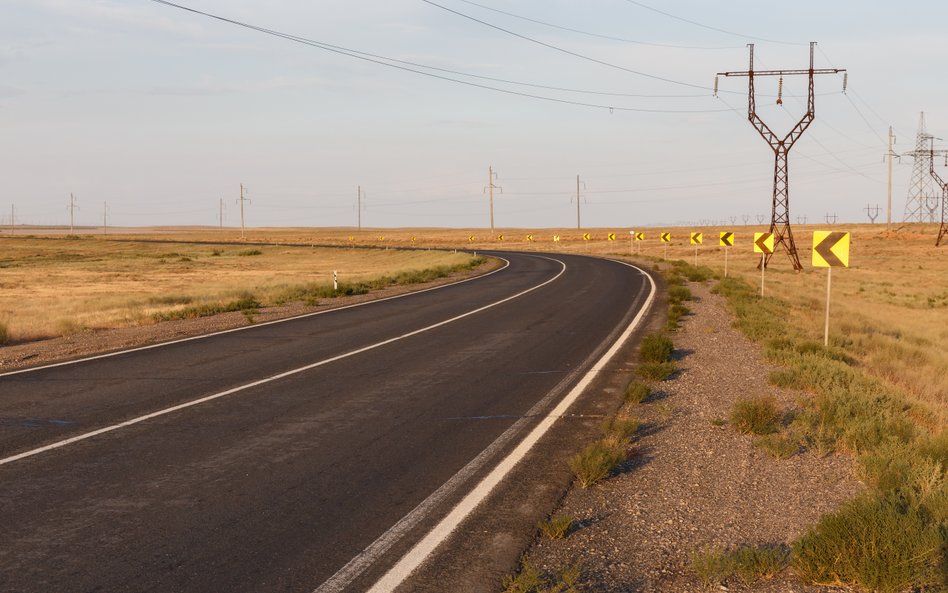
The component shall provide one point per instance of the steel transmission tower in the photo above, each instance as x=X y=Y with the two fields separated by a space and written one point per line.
x=780 y=211
x=922 y=190
x=943 y=229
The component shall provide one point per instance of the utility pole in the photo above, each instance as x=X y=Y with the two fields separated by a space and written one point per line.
x=578 y=198
x=359 y=206
x=72 y=210
x=241 y=201
x=490 y=188
x=888 y=224
x=943 y=229
x=780 y=211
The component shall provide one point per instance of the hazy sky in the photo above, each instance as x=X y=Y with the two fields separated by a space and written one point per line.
x=162 y=113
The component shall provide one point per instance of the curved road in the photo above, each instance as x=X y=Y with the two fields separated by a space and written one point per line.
x=267 y=459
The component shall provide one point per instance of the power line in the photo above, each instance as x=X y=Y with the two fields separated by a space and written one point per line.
x=566 y=51
x=392 y=63
x=597 y=35
x=709 y=27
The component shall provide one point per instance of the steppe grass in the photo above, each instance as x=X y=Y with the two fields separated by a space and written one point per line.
x=4 y=333
x=656 y=371
x=636 y=392
x=714 y=565
x=894 y=536
x=656 y=348
x=598 y=460
x=530 y=579
x=56 y=286
x=557 y=526
x=758 y=415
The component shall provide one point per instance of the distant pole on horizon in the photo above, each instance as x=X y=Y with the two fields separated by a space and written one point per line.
x=577 y=203
x=359 y=207
x=242 y=200
x=12 y=218
x=72 y=212
x=490 y=188
x=105 y=218
x=221 y=213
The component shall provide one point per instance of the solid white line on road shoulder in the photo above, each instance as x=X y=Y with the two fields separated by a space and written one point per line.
x=139 y=419
x=255 y=326
x=413 y=559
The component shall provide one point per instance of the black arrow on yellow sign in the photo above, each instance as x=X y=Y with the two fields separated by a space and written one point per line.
x=825 y=250
x=727 y=239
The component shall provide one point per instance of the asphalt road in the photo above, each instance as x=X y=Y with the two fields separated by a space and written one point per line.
x=316 y=437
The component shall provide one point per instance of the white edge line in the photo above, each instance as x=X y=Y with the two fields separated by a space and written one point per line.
x=139 y=419
x=256 y=325
x=424 y=548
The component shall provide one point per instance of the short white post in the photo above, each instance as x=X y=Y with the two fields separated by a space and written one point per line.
x=763 y=267
x=826 y=328
x=725 y=261
x=335 y=281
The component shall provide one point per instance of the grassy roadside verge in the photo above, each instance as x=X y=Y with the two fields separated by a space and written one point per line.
x=313 y=293
x=895 y=536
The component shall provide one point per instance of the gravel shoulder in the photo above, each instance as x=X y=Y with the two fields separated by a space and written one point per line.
x=690 y=484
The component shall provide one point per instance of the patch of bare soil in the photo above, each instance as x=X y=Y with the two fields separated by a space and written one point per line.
x=92 y=342
x=691 y=484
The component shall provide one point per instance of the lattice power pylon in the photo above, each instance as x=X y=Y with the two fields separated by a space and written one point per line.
x=943 y=229
x=780 y=211
x=922 y=194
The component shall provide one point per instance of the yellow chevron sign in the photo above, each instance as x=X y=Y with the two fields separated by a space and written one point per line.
x=556 y=238
x=666 y=237
x=351 y=238
x=830 y=249
x=611 y=236
x=381 y=238
x=413 y=239
x=471 y=238
x=500 y=237
x=529 y=237
x=585 y=236
x=696 y=238
x=727 y=239
x=763 y=242
x=639 y=236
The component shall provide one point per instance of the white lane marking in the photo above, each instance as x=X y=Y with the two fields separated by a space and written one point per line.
x=413 y=559
x=264 y=324
x=276 y=377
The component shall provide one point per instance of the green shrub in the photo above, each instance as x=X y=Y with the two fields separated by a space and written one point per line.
x=557 y=527
x=656 y=371
x=656 y=348
x=636 y=392
x=245 y=302
x=675 y=313
x=875 y=543
x=714 y=565
x=595 y=462
x=621 y=426
x=778 y=445
x=531 y=580
x=710 y=566
x=758 y=415
x=678 y=294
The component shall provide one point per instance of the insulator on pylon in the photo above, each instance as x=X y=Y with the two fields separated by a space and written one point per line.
x=780 y=91
x=845 y=81
x=715 y=86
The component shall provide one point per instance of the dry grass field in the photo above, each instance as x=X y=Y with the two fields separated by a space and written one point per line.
x=58 y=286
